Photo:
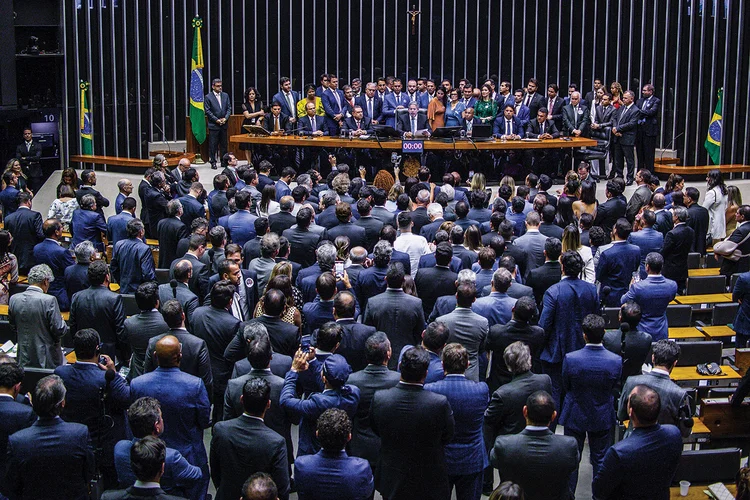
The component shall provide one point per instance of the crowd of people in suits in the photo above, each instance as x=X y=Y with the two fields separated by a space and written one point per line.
x=421 y=334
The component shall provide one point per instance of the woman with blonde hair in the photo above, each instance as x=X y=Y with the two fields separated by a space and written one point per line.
x=14 y=165
x=616 y=90
x=342 y=244
x=291 y=314
x=472 y=239
x=571 y=240
x=734 y=201
x=395 y=191
x=509 y=181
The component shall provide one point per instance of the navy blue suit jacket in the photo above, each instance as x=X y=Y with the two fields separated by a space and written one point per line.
x=590 y=376
x=498 y=127
x=465 y=453
x=390 y=103
x=117 y=227
x=370 y=283
x=428 y=260
x=331 y=474
x=280 y=97
x=653 y=295
x=26 y=227
x=88 y=225
x=49 y=444
x=305 y=125
x=14 y=416
x=178 y=478
x=640 y=467
x=9 y=199
x=648 y=240
x=132 y=264
x=741 y=290
x=191 y=209
x=332 y=108
x=356 y=234
x=615 y=269
x=565 y=305
x=241 y=227
x=185 y=409
x=58 y=259
x=377 y=108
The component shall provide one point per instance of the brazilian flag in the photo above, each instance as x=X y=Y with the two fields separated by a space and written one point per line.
x=87 y=137
x=713 y=138
x=197 y=111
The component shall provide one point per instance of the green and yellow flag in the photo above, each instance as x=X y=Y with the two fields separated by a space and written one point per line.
x=87 y=137
x=197 y=111
x=715 y=128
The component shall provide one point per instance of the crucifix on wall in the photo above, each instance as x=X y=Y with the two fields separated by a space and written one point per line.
x=414 y=13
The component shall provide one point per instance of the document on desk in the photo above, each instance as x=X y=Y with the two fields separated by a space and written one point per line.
x=719 y=492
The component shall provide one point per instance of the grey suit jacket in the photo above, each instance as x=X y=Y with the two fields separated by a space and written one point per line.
x=470 y=330
x=262 y=267
x=400 y=316
x=674 y=399
x=138 y=331
x=641 y=197
x=532 y=243
x=187 y=299
x=35 y=318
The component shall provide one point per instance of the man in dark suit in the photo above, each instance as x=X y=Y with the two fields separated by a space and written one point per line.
x=642 y=195
x=9 y=195
x=216 y=325
x=501 y=336
x=302 y=241
x=283 y=220
x=644 y=464
x=565 y=305
x=590 y=378
x=334 y=105
x=184 y=403
x=648 y=127
x=435 y=220
x=88 y=224
x=288 y=98
x=14 y=415
x=198 y=283
x=356 y=234
x=358 y=124
x=320 y=474
x=276 y=122
x=413 y=124
x=635 y=343
x=504 y=415
x=312 y=124
x=284 y=336
x=698 y=220
x=396 y=313
x=675 y=404
x=618 y=263
x=149 y=460
x=245 y=282
x=738 y=236
x=537 y=452
x=195 y=359
x=542 y=127
x=192 y=204
x=84 y=381
x=372 y=106
x=541 y=278
x=394 y=100
x=379 y=211
x=371 y=281
x=374 y=377
x=320 y=310
x=50 y=252
x=414 y=426
x=100 y=309
x=614 y=208
x=117 y=224
x=29 y=154
x=434 y=282
x=139 y=329
x=132 y=260
x=468 y=329
x=623 y=137
x=576 y=117
x=465 y=456
x=170 y=231
x=677 y=244
x=50 y=440
x=178 y=289
x=218 y=108
x=355 y=335
x=555 y=105
x=244 y=445
x=532 y=99
x=371 y=225
x=664 y=222
x=251 y=249
x=507 y=126
x=653 y=295
x=156 y=203
x=25 y=226
x=88 y=181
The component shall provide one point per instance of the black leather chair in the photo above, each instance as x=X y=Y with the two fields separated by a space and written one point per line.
x=708 y=466
x=695 y=353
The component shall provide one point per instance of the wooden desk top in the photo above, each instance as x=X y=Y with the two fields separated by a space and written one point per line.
x=711 y=271
x=433 y=145
x=685 y=332
x=699 y=427
x=690 y=373
x=718 y=331
x=696 y=492
x=4 y=312
x=711 y=298
x=119 y=161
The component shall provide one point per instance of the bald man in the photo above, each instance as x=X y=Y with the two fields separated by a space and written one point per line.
x=125 y=188
x=184 y=404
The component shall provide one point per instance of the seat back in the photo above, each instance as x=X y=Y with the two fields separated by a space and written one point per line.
x=678 y=315
x=162 y=276
x=129 y=307
x=695 y=353
x=694 y=260
x=708 y=466
x=31 y=376
x=712 y=261
x=723 y=314
x=700 y=285
x=692 y=399
x=733 y=281
x=7 y=333
x=612 y=317
x=18 y=288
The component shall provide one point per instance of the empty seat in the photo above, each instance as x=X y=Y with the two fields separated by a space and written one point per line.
x=701 y=285
x=723 y=314
x=695 y=353
x=694 y=260
x=128 y=305
x=711 y=261
x=678 y=315
x=721 y=392
x=612 y=317
x=708 y=466
x=162 y=276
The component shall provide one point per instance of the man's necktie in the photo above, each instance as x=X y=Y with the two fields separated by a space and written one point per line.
x=28 y=147
x=507 y=127
x=575 y=115
x=369 y=107
x=413 y=125
x=276 y=123
x=551 y=105
x=527 y=100
x=290 y=102
x=218 y=98
x=358 y=127
x=312 y=123
x=541 y=129
x=338 y=100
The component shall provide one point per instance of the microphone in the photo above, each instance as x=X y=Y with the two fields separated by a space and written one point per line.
x=670 y=144
x=163 y=137
x=173 y=284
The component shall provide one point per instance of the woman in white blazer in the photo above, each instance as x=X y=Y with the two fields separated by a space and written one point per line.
x=716 y=204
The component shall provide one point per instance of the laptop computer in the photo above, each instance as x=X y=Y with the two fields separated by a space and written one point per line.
x=481 y=133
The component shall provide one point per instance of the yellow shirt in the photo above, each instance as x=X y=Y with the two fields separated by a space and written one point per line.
x=319 y=110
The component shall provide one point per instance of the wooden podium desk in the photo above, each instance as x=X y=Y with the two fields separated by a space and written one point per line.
x=688 y=376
